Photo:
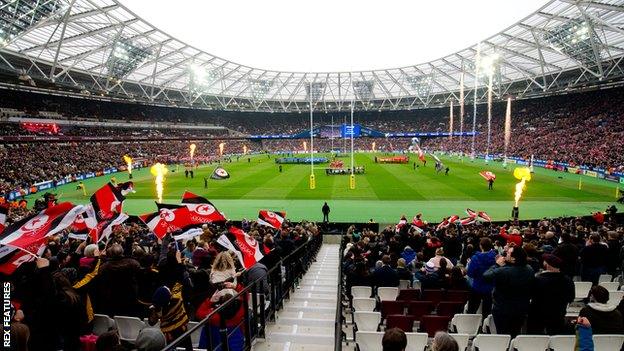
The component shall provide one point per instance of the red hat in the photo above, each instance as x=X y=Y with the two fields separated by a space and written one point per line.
x=552 y=260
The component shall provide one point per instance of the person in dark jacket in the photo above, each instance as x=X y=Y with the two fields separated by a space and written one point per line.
x=551 y=293
x=117 y=289
x=404 y=273
x=360 y=276
x=385 y=275
x=512 y=279
x=481 y=292
x=605 y=318
x=568 y=253
x=594 y=259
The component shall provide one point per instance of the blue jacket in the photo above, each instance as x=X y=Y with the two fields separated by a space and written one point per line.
x=408 y=255
x=479 y=263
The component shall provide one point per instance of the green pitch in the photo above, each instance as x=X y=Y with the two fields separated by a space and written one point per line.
x=384 y=193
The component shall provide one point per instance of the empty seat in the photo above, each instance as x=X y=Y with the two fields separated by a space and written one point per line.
x=488 y=325
x=128 y=327
x=446 y=308
x=409 y=294
x=487 y=342
x=369 y=341
x=102 y=323
x=392 y=307
x=605 y=278
x=462 y=340
x=401 y=321
x=405 y=284
x=562 y=342
x=433 y=295
x=363 y=304
x=419 y=308
x=615 y=297
x=581 y=290
x=611 y=286
x=530 y=342
x=416 y=341
x=457 y=296
x=466 y=323
x=361 y=291
x=367 y=321
x=387 y=293
x=608 y=342
x=431 y=324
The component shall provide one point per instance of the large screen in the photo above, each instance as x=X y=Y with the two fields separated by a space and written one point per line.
x=346 y=130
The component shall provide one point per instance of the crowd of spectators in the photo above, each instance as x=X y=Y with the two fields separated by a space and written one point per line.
x=520 y=272
x=54 y=298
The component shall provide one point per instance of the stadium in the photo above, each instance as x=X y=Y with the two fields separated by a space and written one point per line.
x=156 y=196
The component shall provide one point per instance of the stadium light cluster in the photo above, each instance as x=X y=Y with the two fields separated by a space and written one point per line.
x=574 y=39
x=421 y=84
x=363 y=89
x=201 y=77
x=259 y=88
x=125 y=57
x=16 y=16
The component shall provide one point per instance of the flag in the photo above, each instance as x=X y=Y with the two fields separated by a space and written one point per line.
x=487 y=175
x=169 y=219
x=220 y=173
x=244 y=246
x=202 y=210
x=484 y=217
x=126 y=188
x=467 y=221
x=83 y=223
x=471 y=213
x=11 y=257
x=273 y=219
x=36 y=227
x=106 y=201
x=447 y=221
x=4 y=214
x=104 y=229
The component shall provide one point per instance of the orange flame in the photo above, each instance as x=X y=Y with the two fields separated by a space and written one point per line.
x=128 y=160
x=159 y=171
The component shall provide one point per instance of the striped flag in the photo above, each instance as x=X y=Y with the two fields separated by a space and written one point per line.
x=4 y=214
x=244 y=246
x=202 y=210
x=273 y=219
x=106 y=201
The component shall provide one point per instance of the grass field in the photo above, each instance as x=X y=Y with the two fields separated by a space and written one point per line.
x=384 y=193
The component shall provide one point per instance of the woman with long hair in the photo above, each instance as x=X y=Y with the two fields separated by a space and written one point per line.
x=223 y=269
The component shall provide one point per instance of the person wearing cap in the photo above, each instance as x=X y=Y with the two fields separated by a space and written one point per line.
x=168 y=309
x=150 y=339
x=551 y=293
x=429 y=277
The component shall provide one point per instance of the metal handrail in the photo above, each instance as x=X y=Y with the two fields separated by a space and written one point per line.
x=310 y=249
x=338 y=322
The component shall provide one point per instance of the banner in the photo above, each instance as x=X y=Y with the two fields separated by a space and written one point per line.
x=574 y=170
x=394 y=159
x=591 y=174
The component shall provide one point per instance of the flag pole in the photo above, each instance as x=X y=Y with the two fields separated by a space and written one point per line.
x=474 y=107
x=489 y=117
x=461 y=113
x=312 y=180
x=352 y=177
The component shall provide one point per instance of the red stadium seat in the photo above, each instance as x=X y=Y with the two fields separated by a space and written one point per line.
x=457 y=295
x=433 y=295
x=419 y=308
x=392 y=307
x=409 y=295
x=403 y=322
x=447 y=308
x=432 y=324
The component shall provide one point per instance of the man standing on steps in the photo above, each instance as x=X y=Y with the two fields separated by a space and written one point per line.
x=326 y=211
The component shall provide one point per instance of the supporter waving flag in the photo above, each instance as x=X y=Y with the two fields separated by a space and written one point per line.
x=244 y=246
x=106 y=201
x=484 y=217
x=273 y=219
x=36 y=227
x=104 y=229
x=126 y=188
x=467 y=221
x=174 y=219
x=471 y=213
x=11 y=257
x=202 y=210
x=83 y=223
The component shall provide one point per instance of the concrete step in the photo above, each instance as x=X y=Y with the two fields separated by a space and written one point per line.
x=313 y=297
x=298 y=334
x=289 y=346
x=304 y=315
x=310 y=307
x=320 y=289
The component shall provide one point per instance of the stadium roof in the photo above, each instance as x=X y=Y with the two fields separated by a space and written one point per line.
x=101 y=48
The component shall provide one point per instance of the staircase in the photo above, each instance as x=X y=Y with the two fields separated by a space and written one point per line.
x=307 y=320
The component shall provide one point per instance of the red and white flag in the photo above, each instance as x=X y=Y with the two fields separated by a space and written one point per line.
x=244 y=246
x=467 y=221
x=169 y=219
x=447 y=221
x=483 y=217
x=201 y=210
x=487 y=175
x=11 y=257
x=107 y=201
x=104 y=229
x=471 y=213
x=273 y=219
x=32 y=229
